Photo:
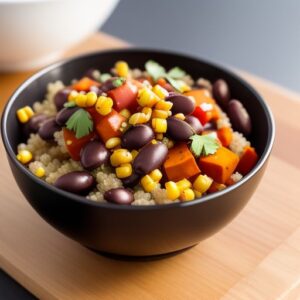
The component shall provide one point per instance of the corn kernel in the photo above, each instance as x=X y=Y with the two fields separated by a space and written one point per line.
x=24 y=156
x=122 y=68
x=183 y=184
x=148 y=183
x=156 y=175
x=160 y=91
x=125 y=113
x=124 y=170
x=154 y=141
x=184 y=87
x=134 y=153
x=80 y=100
x=138 y=118
x=187 y=195
x=29 y=111
x=180 y=116
x=197 y=194
x=202 y=183
x=24 y=114
x=40 y=172
x=72 y=96
x=146 y=98
x=120 y=156
x=164 y=105
x=172 y=190
x=148 y=112
x=159 y=136
x=161 y=114
x=159 y=125
x=104 y=105
x=91 y=99
x=112 y=142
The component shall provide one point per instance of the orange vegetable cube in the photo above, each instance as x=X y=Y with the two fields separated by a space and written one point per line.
x=225 y=136
x=201 y=96
x=219 y=165
x=109 y=126
x=84 y=84
x=180 y=163
x=247 y=161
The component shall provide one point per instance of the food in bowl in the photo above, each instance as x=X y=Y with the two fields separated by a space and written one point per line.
x=134 y=137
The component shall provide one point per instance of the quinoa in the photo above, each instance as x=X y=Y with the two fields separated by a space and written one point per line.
x=238 y=143
x=236 y=176
x=47 y=106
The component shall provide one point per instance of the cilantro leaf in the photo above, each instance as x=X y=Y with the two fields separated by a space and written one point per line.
x=155 y=70
x=70 y=104
x=176 y=73
x=177 y=84
x=104 y=77
x=118 y=81
x=203 y=145
x=81 y=123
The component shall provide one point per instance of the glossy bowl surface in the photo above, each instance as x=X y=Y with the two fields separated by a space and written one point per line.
x=137 y=230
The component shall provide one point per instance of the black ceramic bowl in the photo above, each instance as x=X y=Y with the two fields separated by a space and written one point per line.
x=136 y=230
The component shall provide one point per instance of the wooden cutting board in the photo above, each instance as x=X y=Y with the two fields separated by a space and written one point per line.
x=257 y=256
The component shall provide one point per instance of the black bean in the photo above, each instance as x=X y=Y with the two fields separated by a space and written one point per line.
x=179 y=130
x=137 y=136
x=48 y=128
x=77 y=182
x=61 y=97
x=33 y=125
x=93 y=155
x=119 y=196
x=195 y=123
x=63 y=115
x=92 y=74
x=181 y=104
x=239 y=117
x=221 y=92
x=132 y=180
x=150 y=157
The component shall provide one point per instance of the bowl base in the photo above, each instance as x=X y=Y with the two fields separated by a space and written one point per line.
x=140 y=258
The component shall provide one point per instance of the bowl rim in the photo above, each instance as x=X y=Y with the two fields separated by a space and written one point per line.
x=262 y=160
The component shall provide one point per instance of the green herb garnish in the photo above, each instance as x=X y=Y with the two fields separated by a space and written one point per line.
x=157 y=71
x=203 y=145
x=118 y=81
x=104 y=77
x=176 y=73
x=70 y=104
x=81 y=123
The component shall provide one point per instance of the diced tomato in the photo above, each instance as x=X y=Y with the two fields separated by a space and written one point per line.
x=109 y=126
x=73 y=144
x=94 y=114
x=201 y=115
x=84 y=84
x=124 y=96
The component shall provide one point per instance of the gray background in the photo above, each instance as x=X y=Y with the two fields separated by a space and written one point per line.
x=261 y=37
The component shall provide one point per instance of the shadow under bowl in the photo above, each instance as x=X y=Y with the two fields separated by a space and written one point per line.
x=136 y=230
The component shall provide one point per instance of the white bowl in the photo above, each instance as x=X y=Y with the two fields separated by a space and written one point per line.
x=35 y=32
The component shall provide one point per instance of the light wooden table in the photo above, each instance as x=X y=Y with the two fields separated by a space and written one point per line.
x=257 y=256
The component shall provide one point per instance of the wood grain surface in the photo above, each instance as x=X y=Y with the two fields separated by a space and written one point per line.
x=257 y=256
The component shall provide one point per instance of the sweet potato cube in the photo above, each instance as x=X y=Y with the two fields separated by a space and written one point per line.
x=180 y=163
x=220 y=165
x=247 y=161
